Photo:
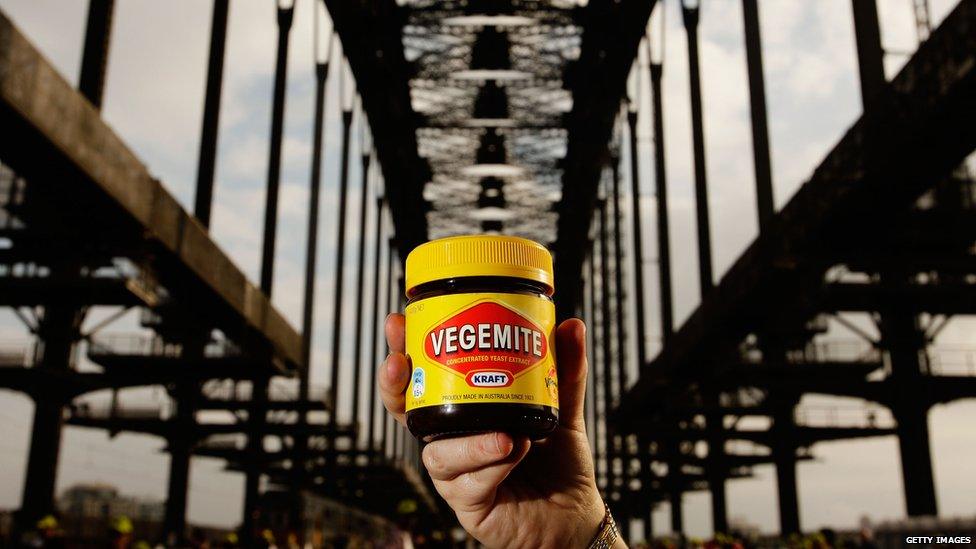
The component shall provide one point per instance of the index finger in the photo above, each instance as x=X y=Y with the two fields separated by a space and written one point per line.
x=394 y=332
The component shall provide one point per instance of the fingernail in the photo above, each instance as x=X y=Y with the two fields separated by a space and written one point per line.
x=503 y=444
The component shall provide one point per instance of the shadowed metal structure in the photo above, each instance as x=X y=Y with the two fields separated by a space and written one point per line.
x=517 y=117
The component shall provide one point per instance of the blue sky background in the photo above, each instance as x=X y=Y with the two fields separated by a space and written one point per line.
x=154 y=100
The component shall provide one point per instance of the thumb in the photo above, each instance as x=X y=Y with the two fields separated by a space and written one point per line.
x=571 y=364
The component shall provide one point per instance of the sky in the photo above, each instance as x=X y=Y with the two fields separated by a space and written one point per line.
x=153 y=99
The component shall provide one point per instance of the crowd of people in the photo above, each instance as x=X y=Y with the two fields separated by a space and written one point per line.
x=120 y=534
x=822 y=539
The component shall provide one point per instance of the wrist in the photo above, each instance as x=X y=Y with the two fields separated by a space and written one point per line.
x=593 y=512
x=607 y=534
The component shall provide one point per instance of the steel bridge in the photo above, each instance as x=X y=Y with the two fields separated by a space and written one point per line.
x=506 y=117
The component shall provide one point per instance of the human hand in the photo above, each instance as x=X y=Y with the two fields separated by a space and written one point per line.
x=511 y=492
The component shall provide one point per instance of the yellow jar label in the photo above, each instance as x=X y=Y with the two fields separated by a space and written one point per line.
x=481 y=347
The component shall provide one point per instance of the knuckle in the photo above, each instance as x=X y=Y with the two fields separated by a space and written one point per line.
x=433 y=463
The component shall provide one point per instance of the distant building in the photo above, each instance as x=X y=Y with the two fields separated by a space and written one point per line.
x=86 y=510
x=93 y=501
x=327 y=522
x=744 y=528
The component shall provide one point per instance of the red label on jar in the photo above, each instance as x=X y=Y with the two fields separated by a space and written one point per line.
x=488 y=343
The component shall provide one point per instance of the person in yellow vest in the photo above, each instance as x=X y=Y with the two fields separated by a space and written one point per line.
x=121 y=532
x=50 y=532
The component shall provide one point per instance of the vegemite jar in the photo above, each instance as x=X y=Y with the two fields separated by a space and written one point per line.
x=479 y=334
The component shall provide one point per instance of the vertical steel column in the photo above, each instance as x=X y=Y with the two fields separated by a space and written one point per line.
x=57 y=333
x=648 y=522
x=375 y=312
x=256 y=418
x=663 y=226
x=716 y=468
x=621 y=333
x=757 y=104
x=690 y=17
x=339 y=265
x=618 y=281
x=285 y=16
x=610 y=453
x=391 y=249
x=206 y=164
x=594 y=370
x=586 y=313
x=870 y=54
x=181 y=445
x=360 y=287
x=635 y=195
x=335 y=363
x=784 y=457
x=401 y=302
x=94 y=60
x=174 y=519
x=312 y=237
x=905 y=341
x=784 y=448
x=675 y=482
x=404 y=434
x=300 y=463
x=580 y=311
x=648 y=490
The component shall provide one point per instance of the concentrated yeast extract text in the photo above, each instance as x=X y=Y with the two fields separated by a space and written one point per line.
x=480 y=321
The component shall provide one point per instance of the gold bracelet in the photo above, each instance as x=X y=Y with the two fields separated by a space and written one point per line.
x=606 y=534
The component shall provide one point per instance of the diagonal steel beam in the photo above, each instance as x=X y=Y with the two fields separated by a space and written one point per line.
x=54 y=137
x=923 y=126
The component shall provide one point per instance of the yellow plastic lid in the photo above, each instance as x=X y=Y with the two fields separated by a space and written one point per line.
x=478 y=255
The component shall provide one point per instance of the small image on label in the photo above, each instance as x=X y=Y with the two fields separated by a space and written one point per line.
x=417 y=381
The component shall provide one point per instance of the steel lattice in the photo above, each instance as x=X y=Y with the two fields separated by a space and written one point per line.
x=487 y=83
